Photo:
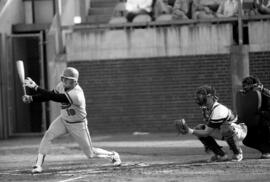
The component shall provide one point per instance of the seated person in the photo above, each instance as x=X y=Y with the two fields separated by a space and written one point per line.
x=203 y=9
x=182 y=9
x=153 y=8
x=262 y=6
x=137 y=7
x=120 y=9
x=253 y=108
x=119 y=13
x=228 y=8
x=161 y=7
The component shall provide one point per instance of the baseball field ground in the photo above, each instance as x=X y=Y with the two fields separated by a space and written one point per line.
x=147 y=157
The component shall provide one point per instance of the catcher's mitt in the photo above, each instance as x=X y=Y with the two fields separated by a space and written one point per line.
x=181 y=126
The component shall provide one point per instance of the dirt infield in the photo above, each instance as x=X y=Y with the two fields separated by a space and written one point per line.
x=153 y=157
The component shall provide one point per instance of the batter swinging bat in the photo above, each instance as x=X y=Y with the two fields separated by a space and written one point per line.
x=20 y=69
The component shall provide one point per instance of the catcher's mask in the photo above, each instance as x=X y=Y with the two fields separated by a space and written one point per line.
x=249 y=83
x=202 y=93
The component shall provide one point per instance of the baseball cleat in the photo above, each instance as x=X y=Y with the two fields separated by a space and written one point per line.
x=238 y=157
x=265 y=156
x=116 y=159
x=218 y=158
x=37 y=169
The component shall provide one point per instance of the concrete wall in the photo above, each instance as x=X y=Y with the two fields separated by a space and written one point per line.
x=11 y=13
x=71 y=8
x=43 y=11
x=68 y=11
x=176 y=40
x=259 y=35
x=56 y=68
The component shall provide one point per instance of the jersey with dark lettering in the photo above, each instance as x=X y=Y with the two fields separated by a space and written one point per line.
x=218 y=115
x=74 y=110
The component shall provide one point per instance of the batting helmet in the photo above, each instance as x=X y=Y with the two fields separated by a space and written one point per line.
x=70 y=73
x=203 y=92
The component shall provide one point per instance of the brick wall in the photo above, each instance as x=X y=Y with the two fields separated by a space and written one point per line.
x=260 y=66
x=148 y=94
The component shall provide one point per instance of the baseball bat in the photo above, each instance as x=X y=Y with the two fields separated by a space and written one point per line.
x=21 y=73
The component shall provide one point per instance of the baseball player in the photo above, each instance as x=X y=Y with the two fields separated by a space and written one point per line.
x=221 y=124
x=72 y=119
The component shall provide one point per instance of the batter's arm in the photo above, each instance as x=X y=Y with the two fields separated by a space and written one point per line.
x=45 y=95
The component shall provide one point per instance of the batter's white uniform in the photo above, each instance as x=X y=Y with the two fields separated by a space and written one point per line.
x=72 y=120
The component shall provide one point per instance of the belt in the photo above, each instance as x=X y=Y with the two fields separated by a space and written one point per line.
x=73 y=122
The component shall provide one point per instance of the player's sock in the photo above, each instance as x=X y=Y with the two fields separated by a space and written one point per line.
x=40 y=159
x=234 y=145
x=211 y=144
x=102 y=153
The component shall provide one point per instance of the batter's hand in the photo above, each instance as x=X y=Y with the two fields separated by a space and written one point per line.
x=27 y=99
x=28 y=82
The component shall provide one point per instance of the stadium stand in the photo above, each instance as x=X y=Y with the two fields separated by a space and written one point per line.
x=119 y=13
x=100 y=11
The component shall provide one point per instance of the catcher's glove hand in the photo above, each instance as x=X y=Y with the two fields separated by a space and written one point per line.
x=181 y=127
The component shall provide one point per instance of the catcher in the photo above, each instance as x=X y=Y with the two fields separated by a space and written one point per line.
x=221 y=125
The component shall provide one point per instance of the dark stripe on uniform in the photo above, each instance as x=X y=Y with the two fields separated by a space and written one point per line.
x=69 y=98
x=73 y=122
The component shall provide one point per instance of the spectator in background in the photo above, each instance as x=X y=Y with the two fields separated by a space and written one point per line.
x=262 y=6
x=137 y=7
x=119 y=13
x=153 y=8
x=182 y=9
x=161 y=7
x=203 y=9
x=120 y=9
x=228 y=8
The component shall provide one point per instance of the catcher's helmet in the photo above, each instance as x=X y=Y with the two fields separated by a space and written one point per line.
x=70 y=73
x=203 y=92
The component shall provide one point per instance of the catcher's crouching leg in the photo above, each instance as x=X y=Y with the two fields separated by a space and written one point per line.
x=234 y=145
x=233 y=134
x=211 y=144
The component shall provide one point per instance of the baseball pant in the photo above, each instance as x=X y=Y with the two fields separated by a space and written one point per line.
x=80 y=133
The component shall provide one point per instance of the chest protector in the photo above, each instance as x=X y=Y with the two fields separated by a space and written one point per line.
x=248 y=106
